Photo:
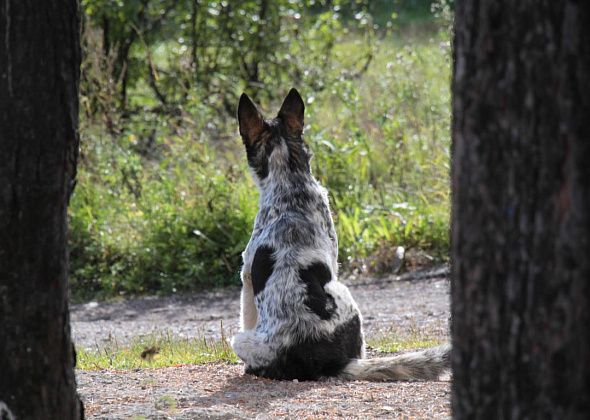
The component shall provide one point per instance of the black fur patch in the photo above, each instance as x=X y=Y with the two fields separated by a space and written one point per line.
x=258 y=155
x=315 y=278
x=312 y=359
x=262 y=267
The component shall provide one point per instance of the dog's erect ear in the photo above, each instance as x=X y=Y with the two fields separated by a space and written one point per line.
x=292 y=112
x=250 y=119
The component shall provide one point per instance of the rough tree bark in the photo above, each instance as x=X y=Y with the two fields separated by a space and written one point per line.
x=521 y=209
x=39 y=75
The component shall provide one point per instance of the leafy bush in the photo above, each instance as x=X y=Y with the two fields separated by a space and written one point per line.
x=176 y=224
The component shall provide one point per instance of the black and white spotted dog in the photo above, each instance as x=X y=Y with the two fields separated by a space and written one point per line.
x=297 y=320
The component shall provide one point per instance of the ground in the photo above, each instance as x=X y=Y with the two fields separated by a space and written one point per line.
x=402 y=306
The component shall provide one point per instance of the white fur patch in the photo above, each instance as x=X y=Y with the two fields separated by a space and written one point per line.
x=250 y=346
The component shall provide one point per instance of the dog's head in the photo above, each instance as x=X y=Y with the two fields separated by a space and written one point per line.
x=274 y=147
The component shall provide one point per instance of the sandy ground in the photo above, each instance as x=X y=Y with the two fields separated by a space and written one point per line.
x=416 y=302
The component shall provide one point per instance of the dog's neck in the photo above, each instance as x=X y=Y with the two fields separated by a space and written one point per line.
x=298 y=193
x=287 y=189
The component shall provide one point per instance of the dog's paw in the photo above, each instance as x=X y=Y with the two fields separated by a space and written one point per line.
x=251 y=348
x=244 y=344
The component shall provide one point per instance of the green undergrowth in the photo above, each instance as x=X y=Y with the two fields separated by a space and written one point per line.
x=168 y=350
x=165 y=203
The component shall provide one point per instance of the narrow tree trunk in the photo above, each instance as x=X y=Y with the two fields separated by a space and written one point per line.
x=195 y=8
x=521 y=210
x=39 y=75
x=106 y=36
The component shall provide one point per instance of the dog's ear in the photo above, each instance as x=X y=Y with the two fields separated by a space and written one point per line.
x=292 y=112
x=250 y=120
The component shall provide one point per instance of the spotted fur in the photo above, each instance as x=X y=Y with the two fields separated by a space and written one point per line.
x=297 y=320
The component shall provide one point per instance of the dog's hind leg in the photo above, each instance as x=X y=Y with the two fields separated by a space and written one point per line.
x=252 y=348
x=248 y=313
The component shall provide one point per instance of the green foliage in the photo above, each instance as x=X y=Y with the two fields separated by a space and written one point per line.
x=164 y=201
x=186 y=52
x=176 y=224
x=382 y=148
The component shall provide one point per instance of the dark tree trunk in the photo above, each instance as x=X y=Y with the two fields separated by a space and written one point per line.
x=195 y=8
x=39 y=75
x=106 y=36
x=521 y=210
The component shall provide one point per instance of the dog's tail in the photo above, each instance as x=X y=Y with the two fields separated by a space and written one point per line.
x=416 y=366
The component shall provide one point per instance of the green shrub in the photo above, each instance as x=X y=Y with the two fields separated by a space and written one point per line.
x=177 y=224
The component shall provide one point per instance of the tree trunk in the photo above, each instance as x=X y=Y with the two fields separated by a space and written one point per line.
x=39 y=75
x=521 y=210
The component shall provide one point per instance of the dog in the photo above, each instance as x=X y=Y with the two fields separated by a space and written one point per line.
x=297 y=320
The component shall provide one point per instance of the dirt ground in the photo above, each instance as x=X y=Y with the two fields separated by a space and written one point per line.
x=404 y=305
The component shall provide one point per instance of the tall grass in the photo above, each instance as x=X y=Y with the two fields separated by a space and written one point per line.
x=166 y=204
x=382 y=148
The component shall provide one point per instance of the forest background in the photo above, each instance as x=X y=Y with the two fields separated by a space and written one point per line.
x=164 y=202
